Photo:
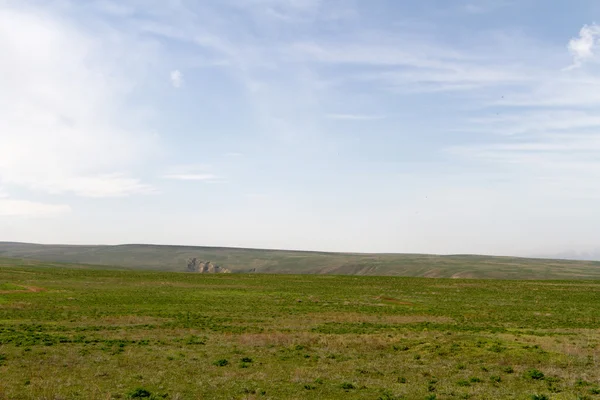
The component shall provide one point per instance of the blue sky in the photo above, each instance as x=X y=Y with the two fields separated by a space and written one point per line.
x=343 y=125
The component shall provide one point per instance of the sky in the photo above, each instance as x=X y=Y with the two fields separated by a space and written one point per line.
x=438 y=126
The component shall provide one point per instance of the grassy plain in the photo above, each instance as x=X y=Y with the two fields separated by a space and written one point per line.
x=174 y=258
x=78 y=333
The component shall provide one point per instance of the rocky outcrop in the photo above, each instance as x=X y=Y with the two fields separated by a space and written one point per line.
x=205 y=267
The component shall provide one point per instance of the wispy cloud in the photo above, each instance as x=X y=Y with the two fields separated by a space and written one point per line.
x=191 y=177
x=485 y=6
x=191 y=172
x=24 y=208
x=65 y=127
x=107 y=185
x=176 y=78
x=355 y=117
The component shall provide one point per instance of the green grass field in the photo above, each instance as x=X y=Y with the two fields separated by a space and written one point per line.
x=80 y=333
x=174 y=258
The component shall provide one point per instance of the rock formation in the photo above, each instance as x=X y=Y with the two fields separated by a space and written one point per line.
x=205 y=267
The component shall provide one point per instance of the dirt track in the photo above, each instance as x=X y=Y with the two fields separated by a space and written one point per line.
x=27 y=289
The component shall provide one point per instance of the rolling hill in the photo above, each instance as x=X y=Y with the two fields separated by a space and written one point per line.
x=238 y=260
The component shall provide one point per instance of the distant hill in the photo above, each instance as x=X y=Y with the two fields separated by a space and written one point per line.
x=237 y=260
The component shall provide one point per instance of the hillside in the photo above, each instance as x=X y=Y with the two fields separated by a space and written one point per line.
x=174 y=258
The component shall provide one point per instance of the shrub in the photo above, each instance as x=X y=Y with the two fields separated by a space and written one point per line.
x=475 y=379
x=508 y=370
x=463 y=383
x=534 y=374
x=192 y=340
x=246 y=360
x=495 y=379
x=221 y=363
x=388 y=395
x=348 y=386
x=139 y=393
x=539 y=397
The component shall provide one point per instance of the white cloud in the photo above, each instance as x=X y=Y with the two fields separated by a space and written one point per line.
x=583 y=48
x=23 y=208
x=191 y=172
x=176 y=78
x=66 y=126
x=107 y=185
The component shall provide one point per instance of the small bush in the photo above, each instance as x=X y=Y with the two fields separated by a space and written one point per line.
x=474 y=379
x=495 y=379
x=508 y=370
x=595 y=390
x=139 y=393
x=246 y=360
x=221 y=363
x=497 y=348
x=539 y=397
x=401 y=379
x=554 y=389
x=534 y=374
x=348 y=386
x=195 y=340
x=463 y=383
x=388 y=395
x=2 y=359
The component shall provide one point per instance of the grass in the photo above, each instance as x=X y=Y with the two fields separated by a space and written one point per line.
x=102 y=334
x=174 y=258
x=9 y=286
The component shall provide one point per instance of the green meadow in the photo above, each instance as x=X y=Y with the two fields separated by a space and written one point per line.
x=79 y=333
